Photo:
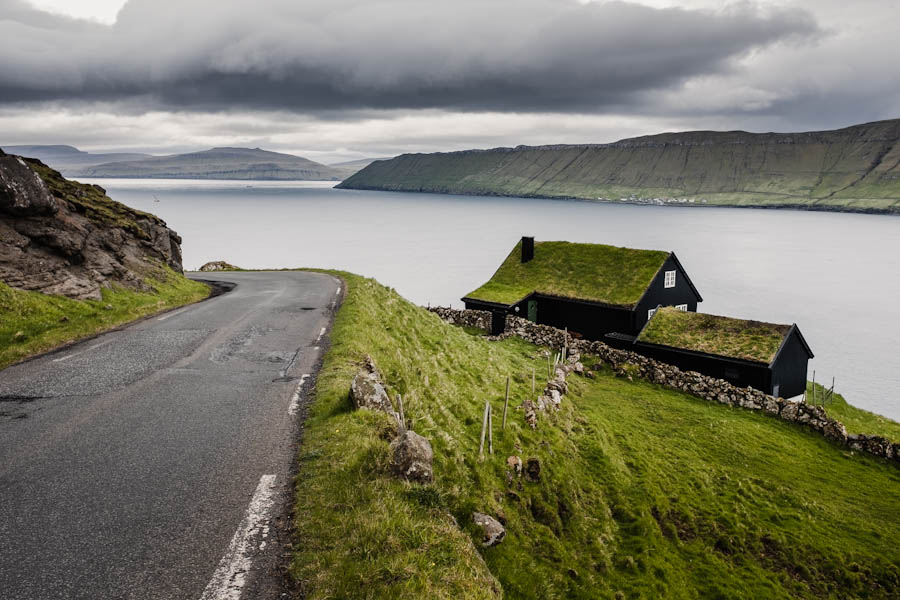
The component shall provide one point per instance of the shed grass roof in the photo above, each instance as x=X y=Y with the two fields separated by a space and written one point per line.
x=712 y=334
x=593 y=272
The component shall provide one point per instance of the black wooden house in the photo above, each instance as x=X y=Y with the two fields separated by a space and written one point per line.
x=591 y=289
x=768 y=357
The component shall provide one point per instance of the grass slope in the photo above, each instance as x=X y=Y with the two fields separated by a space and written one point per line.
x=597 y=272
x=856 y=168
x=644 y=492
x=856 y=420
x=32 y=322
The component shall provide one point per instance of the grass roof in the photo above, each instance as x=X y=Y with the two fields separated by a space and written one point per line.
x=723 y=336
x=595 y=272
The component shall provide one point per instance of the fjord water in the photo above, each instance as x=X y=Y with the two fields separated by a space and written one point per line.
x=836 y=275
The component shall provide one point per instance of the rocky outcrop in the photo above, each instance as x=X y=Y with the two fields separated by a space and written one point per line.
x=67 y=238
x=218 y=265
x=411 y=457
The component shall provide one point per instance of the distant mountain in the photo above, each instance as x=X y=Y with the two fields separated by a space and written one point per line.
x=68 y=160
x=219 y=163
x=852 y=169
x=353 y=166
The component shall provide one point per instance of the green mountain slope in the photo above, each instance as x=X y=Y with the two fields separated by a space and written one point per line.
x=856 y=168
x=220 y=163
x=643 y=492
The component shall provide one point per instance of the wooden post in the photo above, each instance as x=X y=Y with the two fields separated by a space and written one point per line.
x=490 y=428
x=402 y=418
x=532 y=381
x=814 y=386
x=506 y=402
x=484 y=423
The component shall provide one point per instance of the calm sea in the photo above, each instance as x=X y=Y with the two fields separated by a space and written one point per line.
x=836 y=275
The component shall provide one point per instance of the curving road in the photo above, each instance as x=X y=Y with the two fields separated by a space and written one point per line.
x=151 y=462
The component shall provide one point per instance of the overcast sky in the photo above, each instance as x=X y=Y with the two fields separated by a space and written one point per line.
x=343 y=79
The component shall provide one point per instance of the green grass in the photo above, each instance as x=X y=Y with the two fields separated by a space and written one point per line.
x=32 y=322
x=725 y=336
x=644 y=492
x=856 y=420
x=597 y=272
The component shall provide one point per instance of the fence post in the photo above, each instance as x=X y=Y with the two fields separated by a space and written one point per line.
x=484 y=423
x=505 y=403
x=402 y=418
x=490 y=428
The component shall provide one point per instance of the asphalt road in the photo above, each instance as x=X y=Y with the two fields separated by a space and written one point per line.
x=151 y=462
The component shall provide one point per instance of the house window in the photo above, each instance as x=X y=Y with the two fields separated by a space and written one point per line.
x=681 y=307
x=650 y=313
x=670 y=279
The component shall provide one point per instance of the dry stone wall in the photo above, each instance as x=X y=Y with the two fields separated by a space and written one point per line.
x=627 y=364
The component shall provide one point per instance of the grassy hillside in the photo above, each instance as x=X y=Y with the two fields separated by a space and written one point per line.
x=32 y=322
x=643 y=492
x=857 y=168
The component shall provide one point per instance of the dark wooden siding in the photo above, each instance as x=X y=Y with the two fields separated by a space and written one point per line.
x=592 y=321
x=737 y=372
x=658 y=294
x=790 y=367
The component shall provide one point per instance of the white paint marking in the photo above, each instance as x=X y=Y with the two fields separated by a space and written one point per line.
x=228 y=581
x=294 y=406
x=171 y=314
x=321 y=333
x=74 y=354
x=338 y=292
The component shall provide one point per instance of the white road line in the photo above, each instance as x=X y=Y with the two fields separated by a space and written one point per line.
x=294 y=406
x=228 y=581
x=171 y=314
x=321 y=333
x=338 y=292
x=74 y=354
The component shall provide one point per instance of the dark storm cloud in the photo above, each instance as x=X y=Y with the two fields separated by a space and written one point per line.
x=506 y=55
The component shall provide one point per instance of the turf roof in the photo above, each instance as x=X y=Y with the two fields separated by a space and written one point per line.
x=594 y=272
x=712 y=334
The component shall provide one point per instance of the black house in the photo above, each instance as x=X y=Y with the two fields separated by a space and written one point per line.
x=768 y=357
x=592 y=289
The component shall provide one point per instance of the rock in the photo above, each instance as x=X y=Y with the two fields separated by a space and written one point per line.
x=493 y=531
x=835 y=430
x=19 y=336
x=515 y=464
x=67 y=238
x=412 y=457
x=578 y=368
x=22 y=191
x=789 y=412
x=533 y=469
x=218 y=265
x=530 y=413
x=366 y=391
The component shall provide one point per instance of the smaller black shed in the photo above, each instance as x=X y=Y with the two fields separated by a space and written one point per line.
x=768 y=357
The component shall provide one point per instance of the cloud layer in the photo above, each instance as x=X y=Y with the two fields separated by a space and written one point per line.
x=332 y=55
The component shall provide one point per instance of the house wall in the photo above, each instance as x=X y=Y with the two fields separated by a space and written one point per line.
x=790 y=368
x=658 y=294
x=590 y=320
x=737 y=373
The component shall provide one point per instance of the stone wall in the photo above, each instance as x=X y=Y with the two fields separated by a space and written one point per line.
x=696 y=384
x=480 y=319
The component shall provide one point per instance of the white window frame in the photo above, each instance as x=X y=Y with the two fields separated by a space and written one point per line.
x=682 y=307
x=650 y=313
x=670 y=279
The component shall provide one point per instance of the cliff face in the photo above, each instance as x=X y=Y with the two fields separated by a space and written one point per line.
x=63 y=237
x=857 y=168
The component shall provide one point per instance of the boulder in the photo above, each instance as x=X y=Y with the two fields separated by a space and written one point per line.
x=514 y=463
x=533 y=469
x=492 y=531
x=366 y=391
x=411 y=457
